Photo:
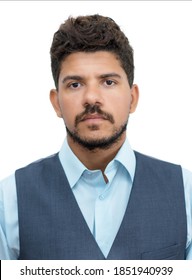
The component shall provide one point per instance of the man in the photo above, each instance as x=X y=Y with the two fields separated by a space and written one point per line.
x=96 y=198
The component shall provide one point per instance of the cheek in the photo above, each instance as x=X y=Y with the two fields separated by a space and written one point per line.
x=69 y=117
x=122 y=109
x=69 y=112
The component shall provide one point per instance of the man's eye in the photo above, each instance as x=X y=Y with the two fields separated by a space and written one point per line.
x=74 y=85
x=109 y=82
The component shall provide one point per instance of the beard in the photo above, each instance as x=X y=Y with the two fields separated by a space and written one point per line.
x=100 y=143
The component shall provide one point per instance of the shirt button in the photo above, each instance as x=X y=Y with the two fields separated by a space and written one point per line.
x=101 y=197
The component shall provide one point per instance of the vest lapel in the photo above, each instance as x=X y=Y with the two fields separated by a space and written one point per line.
x=81 y=234
x=153 y=223
x=127 y=234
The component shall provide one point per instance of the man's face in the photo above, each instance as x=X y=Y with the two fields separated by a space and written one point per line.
x=94 y=97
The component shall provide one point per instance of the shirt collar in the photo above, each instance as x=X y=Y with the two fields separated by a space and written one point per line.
x=71 y=164
x=126 y=157
x=74 y=168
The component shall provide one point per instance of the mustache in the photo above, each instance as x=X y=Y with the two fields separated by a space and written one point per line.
x=92 y=109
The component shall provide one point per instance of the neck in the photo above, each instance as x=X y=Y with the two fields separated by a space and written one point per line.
x=96 y=159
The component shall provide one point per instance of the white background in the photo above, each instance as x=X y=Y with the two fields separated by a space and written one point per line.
x=161 y=35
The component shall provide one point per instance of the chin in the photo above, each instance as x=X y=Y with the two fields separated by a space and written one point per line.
x=95 y=139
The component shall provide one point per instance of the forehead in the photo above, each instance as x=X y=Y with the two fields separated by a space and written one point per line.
x=91 y=62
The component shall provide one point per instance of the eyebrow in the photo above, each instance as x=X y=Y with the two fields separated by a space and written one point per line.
x=110 y=75
x=72 y=77
x=80 y=78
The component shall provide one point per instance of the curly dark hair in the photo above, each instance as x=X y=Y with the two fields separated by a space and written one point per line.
x=89 y=34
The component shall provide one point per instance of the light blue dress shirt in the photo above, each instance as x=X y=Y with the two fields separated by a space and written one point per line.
x=102 y=203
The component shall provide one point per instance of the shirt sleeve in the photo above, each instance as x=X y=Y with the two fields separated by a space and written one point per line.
x=4 y=251
x=9 y=232
x=187 y=179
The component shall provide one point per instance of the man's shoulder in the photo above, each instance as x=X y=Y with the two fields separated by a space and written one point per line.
x=40 y=162
x=187 y=179
x=7 y=184
x=153 y=160
x=168 y=168
x=9 y=181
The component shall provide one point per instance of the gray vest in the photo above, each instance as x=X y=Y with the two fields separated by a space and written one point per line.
x=52 y=227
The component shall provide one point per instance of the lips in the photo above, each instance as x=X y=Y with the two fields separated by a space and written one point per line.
x=93 y=117
x=93 y=113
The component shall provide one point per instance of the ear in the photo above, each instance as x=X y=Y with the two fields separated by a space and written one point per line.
x=134 y=98
x=54 y=98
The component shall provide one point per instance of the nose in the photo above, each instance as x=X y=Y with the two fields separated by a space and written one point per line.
x=92 y=95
